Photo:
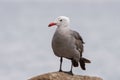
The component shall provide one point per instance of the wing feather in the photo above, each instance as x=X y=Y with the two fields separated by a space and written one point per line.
x=78 y=42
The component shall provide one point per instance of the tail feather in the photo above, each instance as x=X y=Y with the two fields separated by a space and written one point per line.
x=86 y=60
x=82 y=64
x=74 y=63
x=83 y=61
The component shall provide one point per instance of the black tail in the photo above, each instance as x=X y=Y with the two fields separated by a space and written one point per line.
x=74 y=63
x=83 y=61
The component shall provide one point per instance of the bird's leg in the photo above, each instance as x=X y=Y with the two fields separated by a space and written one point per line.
x=61 y=60
x=71 y=70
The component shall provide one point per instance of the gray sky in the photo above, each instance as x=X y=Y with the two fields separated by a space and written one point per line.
x=86 y=1
x=25 y=39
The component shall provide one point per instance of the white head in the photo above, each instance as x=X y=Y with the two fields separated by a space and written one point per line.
x=61 y=21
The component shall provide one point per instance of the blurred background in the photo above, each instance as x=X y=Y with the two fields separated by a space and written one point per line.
x=25 y=39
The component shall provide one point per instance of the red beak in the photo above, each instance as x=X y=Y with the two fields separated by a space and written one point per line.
x=51 y=24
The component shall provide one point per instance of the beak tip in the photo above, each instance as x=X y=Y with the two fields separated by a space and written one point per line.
x=48 y=25
x=51 y=24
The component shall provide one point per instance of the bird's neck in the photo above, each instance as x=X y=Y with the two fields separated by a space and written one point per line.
x=63 y=30
x=63 y=27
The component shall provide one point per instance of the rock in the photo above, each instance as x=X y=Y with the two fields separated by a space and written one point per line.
x=63 y=76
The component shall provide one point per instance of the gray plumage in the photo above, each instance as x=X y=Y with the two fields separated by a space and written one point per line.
x=68 y=43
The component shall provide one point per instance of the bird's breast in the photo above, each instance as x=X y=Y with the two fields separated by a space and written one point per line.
x=62 y=39
x=62 y=44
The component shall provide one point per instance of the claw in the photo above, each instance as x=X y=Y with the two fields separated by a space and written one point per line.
x=70 y=72
x=60 y=70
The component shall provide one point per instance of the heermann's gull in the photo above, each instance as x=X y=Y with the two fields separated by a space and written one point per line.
x=67 y=43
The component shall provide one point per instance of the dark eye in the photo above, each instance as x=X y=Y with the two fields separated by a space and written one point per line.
x=60 y=20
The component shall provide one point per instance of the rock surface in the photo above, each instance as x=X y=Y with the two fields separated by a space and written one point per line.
x=63 y=76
